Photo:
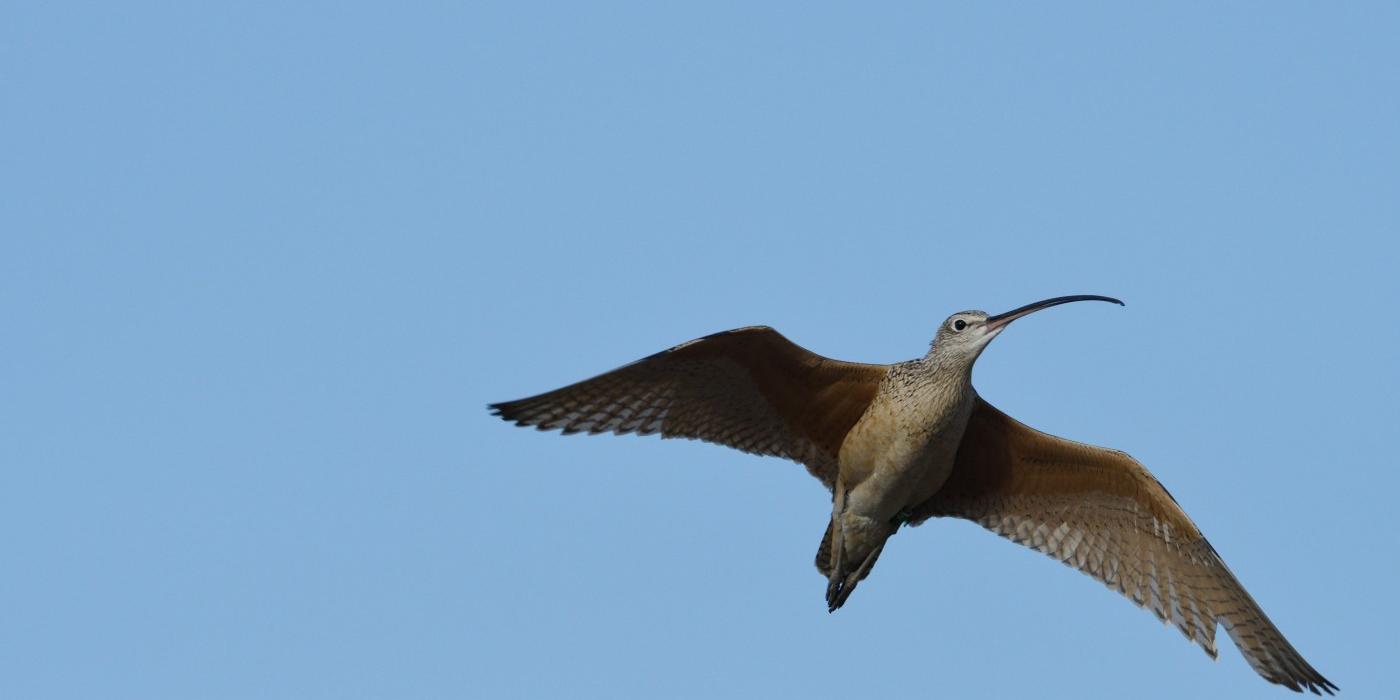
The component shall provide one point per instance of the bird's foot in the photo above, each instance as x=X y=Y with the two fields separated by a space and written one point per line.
x=836 y=582
x=833 y=593
x=836 y=595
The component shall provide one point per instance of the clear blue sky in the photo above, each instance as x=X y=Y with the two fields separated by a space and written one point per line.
x=263 y=266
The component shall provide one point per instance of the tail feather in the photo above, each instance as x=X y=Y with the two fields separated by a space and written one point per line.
x=824 y=552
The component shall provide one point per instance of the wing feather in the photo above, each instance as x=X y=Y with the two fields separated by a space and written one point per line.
x=1103 y=513
x=749 y=388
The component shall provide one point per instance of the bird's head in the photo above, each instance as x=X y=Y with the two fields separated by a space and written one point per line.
x=961 y=338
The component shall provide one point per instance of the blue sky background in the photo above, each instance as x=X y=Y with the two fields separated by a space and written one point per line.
x=262 y=266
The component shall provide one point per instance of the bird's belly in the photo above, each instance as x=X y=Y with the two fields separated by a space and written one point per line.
x=895 y=472
x=900 y=487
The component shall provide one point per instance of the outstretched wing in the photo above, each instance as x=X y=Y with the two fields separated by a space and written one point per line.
x=749 y=388
x=1100 y=511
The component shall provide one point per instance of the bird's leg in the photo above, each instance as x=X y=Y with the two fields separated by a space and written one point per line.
x=869 y=539
x=833 y=584
x=837 y=575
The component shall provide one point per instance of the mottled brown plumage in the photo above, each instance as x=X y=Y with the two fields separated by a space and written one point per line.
x=1100 y=511
x=749 y=388
x=899 y=444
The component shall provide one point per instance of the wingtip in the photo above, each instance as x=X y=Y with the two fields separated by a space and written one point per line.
x=1327 y=686
x=504 y=411
x=1316 y=685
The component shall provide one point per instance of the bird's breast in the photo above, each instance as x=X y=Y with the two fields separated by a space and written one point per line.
x=900 y=453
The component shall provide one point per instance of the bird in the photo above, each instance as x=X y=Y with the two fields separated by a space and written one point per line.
x=899 y=444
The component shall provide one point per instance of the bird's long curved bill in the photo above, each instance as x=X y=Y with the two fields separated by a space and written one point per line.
x=999 y=320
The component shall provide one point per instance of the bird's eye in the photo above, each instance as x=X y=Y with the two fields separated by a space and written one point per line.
x=959 y=324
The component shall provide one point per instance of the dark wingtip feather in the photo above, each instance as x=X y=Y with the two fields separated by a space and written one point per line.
x=1317 y=684
x=505 y=410
x=519 y=415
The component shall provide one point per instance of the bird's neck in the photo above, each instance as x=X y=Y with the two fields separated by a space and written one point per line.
x=940 y=375
x=948 y=364
x=930 y=396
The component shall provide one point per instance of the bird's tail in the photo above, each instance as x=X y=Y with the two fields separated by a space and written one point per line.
x=824 y=551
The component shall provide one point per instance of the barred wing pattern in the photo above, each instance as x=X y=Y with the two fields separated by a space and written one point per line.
x=1101 y=512
x=749 y=388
